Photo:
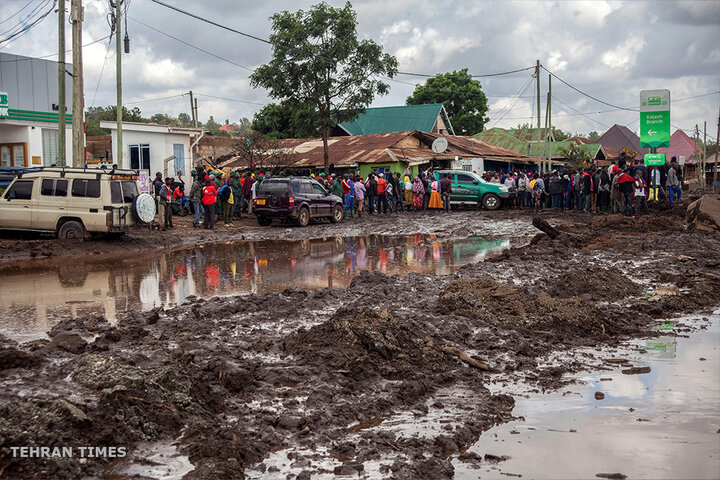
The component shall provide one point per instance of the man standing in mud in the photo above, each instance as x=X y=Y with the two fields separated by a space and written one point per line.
x=445 y=191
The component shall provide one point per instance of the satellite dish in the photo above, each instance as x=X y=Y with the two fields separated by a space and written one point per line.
x=439 y=145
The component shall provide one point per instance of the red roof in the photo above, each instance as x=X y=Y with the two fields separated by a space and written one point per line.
x=228 y=127
x=579 y=140
x=680 y=144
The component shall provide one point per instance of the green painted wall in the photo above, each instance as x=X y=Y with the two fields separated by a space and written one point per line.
x=395 y=167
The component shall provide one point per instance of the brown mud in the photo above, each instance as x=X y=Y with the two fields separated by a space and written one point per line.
x=320 y=372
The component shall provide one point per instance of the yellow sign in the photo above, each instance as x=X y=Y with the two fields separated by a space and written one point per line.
x=36 y=160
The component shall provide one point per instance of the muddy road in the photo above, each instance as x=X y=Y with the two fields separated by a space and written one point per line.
x=386 y=378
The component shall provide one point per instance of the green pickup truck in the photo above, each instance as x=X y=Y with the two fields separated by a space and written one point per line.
x=468 y=187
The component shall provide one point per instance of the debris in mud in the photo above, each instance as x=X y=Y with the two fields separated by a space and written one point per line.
x=611 y=476
x=490 y=458
x=13 y=357
x=704 y=214
x=599 y=395
x=496 y=303
x=596 y=284
x=637 y=370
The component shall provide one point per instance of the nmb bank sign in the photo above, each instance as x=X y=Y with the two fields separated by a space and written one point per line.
x=654 y=118
x=4 y=105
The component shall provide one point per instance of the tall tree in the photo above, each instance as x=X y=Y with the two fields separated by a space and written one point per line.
x=286 y=120
x=317 y=58
x=463 y=98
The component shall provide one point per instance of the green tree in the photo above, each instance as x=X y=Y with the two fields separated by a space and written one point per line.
x=185 y=120
x=575 y=155
x=94 y=115
x=286 y=120
x=318 y=59
x=463 y=98
x=593 y=136
x=212 y=126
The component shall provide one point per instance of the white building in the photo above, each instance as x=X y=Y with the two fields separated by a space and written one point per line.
x=29 y=111
x=149 y=147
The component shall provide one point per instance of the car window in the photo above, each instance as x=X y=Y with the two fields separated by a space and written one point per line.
x=54 y=187
x=86 y=188
x=319 y=189
x=273 y=188
x=296 y=186
x=20 y=190
x=307 y=187
x=115 y=192
x=47 y=187
x=61 y=188
x=130 y=191
x=465 y=179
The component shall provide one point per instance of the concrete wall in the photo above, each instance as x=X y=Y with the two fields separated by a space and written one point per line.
x=30 y=133
x=31 y=83
x=161 y=147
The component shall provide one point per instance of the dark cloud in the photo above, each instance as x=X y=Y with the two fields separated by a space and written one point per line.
x=611 y=50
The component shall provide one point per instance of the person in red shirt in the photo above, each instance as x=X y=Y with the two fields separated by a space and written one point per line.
x=625 y=184
x=381 y=198
x=209 y=199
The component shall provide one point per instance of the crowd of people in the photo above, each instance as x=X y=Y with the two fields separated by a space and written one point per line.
x=623 y=188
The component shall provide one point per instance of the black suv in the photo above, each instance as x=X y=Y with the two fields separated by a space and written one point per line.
x=296 y=198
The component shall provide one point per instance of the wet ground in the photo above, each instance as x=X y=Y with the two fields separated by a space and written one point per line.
x=32 y=302
x=664 y=424
x=394 y=376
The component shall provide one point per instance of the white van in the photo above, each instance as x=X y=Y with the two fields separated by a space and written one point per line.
x=74 y=201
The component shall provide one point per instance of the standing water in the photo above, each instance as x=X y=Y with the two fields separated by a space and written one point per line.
x=32 y=302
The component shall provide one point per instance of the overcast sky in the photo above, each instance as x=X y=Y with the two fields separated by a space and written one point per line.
x=608 y=49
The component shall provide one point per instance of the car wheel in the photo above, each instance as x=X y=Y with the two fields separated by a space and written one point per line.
x=264 y=221
x=491 y=201
x=337 y=215
x=71 y=230
x=303 y=217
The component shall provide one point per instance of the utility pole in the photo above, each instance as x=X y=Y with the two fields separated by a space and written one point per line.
x=717 y=155
x=61 y=84
x=196 y=114
x=537 y=77
x=118 y=79
x=545 y=143
x=549 y=132
x=192 y=108
x=701 y=167
x=704 y=149
x=77 y=14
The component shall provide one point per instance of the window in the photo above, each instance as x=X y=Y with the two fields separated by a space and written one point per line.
x=140 y=157
x=466 y=179
x=307 y=187
x=86 y=188
x=20 y=190
x=273 y=188
x=319 y=189
x=13 y=155
x=130 y=191
x=179 y=152
x=296 y=186
x=54 y=187
x=50 y=146
x=115 y=192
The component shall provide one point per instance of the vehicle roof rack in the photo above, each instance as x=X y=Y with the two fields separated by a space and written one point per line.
x=64 y=170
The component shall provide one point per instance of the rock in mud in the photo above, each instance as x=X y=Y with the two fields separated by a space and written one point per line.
x=599 y=395
x=611 y=476
x=704 y=214
x=595 y=284
x=70 y=342
x=637 y=370
x=12 y=357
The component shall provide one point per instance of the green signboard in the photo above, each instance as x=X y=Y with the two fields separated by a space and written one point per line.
x=4 y=103
x=654 y=118
x=654 y=159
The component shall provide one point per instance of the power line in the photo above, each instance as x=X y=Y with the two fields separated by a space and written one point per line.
x=473 y=76
x=154 y=99
x=184 y=12
x=588 y=95
x=228 y=99
x=579 y=112
x=23 y=8
x=191 y=45
x=512 y=101
x=29 y=26
x=55 y=54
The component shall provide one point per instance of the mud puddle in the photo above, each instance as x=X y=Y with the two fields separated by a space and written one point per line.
x=32 y=302
x=661 y=424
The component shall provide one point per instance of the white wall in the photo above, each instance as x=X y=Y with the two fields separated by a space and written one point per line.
x=31 y=133
x=161 y=147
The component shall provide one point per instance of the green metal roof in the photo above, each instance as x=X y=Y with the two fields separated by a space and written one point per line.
x=501 y=137
x=394 y=119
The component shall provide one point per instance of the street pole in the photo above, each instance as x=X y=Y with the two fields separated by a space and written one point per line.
x=78 y=141
x=549 y=109
x=717 y=155
x=61 y=84
x=192 y=109
x=118 y=80
x=196 y=113
x=537 y=77
x=699 y=160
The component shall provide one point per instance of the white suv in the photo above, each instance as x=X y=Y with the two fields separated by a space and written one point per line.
x=74 y=201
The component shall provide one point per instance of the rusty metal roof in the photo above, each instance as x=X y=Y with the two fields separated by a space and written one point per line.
x=386 y=148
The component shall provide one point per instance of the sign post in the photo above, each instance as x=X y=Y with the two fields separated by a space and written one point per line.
x=654 y=159
x=654 y=118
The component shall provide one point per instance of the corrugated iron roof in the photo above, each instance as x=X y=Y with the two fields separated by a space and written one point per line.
x=619 y=137
x=401 y=118
x=680 y=144
x=386 y=148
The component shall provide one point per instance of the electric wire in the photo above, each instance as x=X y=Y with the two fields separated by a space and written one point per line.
x=11 y=16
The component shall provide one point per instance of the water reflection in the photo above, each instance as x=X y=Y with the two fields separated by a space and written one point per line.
x=31 y=302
